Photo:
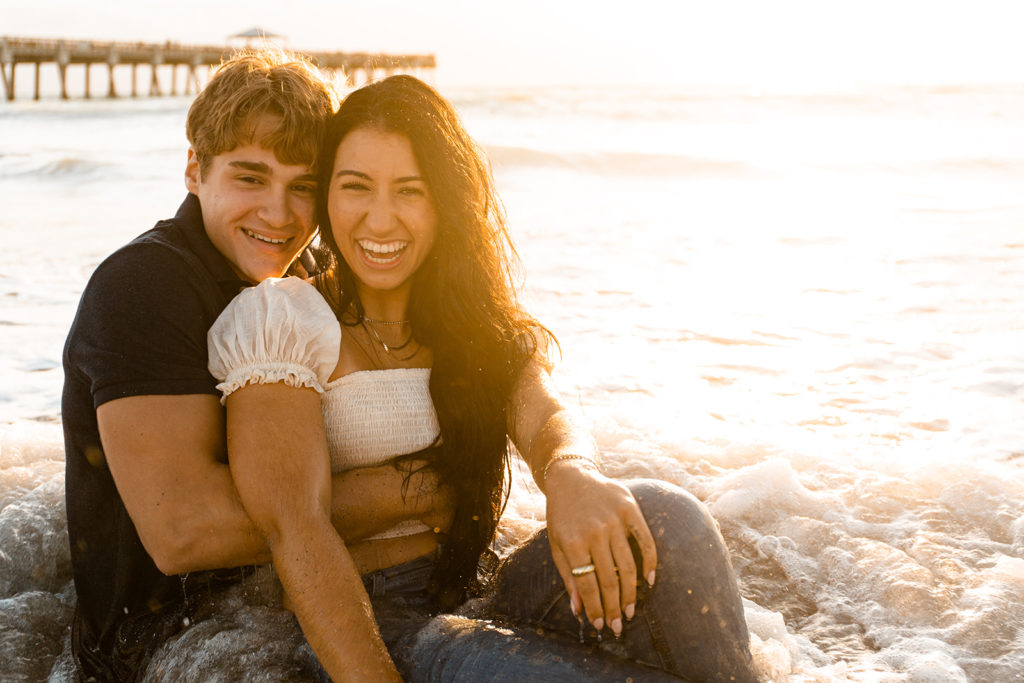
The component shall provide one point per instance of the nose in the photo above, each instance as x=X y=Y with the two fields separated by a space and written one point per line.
x=275 y=210
x=380 y=215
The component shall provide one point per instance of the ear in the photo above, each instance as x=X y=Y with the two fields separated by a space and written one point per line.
x=192 y=172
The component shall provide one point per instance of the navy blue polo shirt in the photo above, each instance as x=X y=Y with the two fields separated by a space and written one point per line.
x=140 y=330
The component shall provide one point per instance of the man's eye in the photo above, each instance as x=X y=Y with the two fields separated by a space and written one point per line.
x=304 y=187
x=251 y=179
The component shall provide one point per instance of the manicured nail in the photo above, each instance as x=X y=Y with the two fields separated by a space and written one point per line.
x=650 y=578
x=630 y=609
x=599 y=624
x=617 y=627
x=573 y=606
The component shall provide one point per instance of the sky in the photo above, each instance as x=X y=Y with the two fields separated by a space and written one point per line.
x=761 y=44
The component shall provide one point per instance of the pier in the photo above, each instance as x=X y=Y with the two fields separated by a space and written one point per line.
x=192 y=60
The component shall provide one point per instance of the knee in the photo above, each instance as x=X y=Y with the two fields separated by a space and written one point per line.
x=675 y=517
x=417 y=654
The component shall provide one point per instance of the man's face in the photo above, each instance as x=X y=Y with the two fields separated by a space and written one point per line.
x=258 y=212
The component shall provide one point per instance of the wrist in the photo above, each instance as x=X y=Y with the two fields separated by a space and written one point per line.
x=568 y=461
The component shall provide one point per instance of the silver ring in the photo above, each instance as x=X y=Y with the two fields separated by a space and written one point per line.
x=583 y=570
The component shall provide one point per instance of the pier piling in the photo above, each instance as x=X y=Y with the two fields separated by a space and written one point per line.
x=63 y=53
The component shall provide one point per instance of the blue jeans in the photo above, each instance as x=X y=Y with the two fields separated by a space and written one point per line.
x=689 y=626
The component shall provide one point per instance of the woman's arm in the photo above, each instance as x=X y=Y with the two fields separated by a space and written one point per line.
x=277 y=452
x=589 y=516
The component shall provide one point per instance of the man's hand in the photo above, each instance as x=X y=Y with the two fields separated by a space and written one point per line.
x=369 y=500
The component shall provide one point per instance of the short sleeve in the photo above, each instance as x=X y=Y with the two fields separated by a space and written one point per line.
x=281 y=330
x=141 y=326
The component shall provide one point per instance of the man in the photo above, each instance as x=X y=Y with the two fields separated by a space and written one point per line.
x=153 y=514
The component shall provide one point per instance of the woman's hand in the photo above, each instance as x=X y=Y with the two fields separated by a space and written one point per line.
x=590 y=519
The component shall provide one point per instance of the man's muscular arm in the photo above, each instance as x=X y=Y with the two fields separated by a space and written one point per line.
x=167 y=457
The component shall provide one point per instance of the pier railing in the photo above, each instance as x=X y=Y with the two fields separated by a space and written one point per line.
x=193 y=59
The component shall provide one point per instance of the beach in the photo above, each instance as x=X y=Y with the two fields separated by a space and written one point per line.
x=806 y=308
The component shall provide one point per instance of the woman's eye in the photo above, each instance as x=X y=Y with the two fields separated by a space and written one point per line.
x=354 y=186
x=412 y=191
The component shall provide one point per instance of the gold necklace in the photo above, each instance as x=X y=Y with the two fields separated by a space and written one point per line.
x=388 y=349
x=385 y=322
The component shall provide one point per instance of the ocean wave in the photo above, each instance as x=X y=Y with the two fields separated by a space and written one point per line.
x=617 y=163
x=884 y=568
x=62 y=167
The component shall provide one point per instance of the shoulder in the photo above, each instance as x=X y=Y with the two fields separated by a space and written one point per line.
x=165 y=244
x=152 y=264
x=274 y=307
x=272 y=331
x=142 y=320
x=278 y=296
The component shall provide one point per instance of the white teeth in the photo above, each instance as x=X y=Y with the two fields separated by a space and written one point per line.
x=382 y=253
x=263 y=238
x=377 y=248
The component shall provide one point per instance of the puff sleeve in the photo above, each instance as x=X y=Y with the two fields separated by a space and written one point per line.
x=281 y=330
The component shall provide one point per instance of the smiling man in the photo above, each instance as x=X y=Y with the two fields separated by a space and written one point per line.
x=151 y=505
x=155 y=522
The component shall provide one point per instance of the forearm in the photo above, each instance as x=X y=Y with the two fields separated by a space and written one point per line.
x=561 y=433
x=544 y=429
x=333 y=610
x=370 y=500
x=217 y=532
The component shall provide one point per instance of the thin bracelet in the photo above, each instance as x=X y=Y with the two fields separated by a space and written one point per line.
x=565 y=456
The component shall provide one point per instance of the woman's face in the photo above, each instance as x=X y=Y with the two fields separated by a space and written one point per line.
x=382 y=214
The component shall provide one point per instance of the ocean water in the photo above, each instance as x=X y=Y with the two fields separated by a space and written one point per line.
x=807 y=309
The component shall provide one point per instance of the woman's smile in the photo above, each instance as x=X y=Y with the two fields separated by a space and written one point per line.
x=382 y=215
x=386 y=254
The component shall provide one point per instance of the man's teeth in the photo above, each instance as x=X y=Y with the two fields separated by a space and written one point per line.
x=382 y=253
x=263 y=238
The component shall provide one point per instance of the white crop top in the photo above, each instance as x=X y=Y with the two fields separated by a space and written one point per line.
x=283 y=330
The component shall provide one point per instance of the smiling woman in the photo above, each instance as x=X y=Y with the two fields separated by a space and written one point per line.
x=382 y=217
x=424 y=360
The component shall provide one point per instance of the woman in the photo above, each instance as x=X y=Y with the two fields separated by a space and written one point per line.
x=414 y=344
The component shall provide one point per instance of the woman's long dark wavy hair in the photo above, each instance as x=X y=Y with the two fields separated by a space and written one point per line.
x=463 y=306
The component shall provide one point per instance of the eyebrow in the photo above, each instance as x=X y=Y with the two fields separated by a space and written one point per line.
x=260 y=167
x=360 y=174
x=254 y=166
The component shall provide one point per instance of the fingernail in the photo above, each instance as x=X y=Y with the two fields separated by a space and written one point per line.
x=630 y=609
x=650 y=578
x=573 y=606
x=617 y=627
x=599 y=624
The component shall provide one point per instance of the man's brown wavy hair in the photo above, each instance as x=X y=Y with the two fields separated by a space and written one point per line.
x=252 y=88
